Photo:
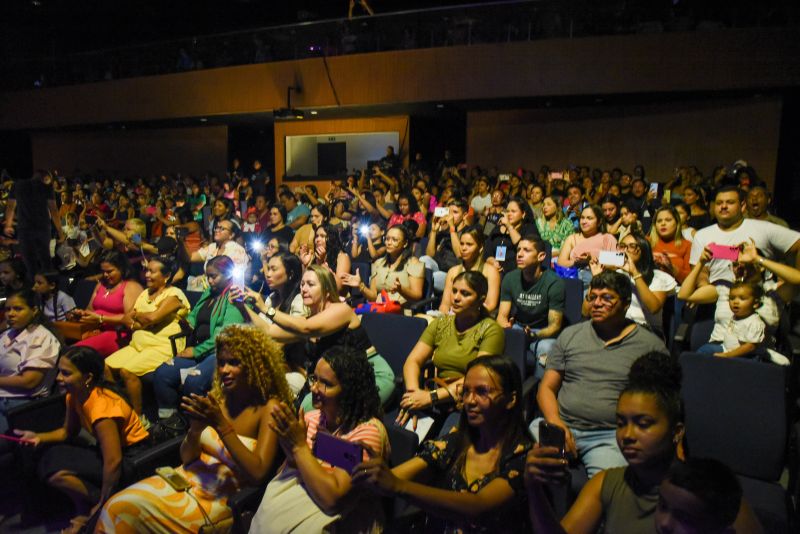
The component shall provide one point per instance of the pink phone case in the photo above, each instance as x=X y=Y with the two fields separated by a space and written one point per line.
x=724 y=252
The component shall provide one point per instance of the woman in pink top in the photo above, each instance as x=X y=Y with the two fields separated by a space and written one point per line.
x=588 y=241
x=111 y=304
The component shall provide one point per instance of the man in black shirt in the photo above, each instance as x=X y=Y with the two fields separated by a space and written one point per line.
x=31 y=203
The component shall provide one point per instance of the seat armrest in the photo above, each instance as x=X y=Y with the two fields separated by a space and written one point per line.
x=39 y=415
x=173 y=338
x=144 y=462
x=421 y=306
x=680 y=339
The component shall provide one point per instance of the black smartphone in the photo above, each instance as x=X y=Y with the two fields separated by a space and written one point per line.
x=551 y=435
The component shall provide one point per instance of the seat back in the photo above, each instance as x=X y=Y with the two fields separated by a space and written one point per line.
x=39 y=415
x=573 y=300
x=393 y=336
x=700 y=333
x=365 y=273
x=516 y=349
x=736 y=413
x=82 y=292
x=193 y=297
x=403 y=443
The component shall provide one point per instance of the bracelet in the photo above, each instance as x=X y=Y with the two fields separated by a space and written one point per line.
x=635 y=278
x=760 y=260
x=101 y=319
x=452 y=229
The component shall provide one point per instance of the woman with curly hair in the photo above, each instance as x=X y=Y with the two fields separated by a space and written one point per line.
x=309 y=494
x=231 y=442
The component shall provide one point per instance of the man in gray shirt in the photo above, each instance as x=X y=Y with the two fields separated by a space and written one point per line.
x=587 y=370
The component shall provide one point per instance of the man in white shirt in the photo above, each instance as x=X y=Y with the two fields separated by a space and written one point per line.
x=732 y=229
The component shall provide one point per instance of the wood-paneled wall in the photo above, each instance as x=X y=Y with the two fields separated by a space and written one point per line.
x=658 y=136
x=134 y=152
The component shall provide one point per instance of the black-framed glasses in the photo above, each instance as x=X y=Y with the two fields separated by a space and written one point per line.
x=323 y=386
x=631 y=247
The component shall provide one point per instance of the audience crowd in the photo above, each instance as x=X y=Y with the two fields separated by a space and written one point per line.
x=212 y=309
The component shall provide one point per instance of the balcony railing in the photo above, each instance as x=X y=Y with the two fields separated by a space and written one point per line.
x=469 y=24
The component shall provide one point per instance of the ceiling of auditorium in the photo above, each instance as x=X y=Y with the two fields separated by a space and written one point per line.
x=31 y=28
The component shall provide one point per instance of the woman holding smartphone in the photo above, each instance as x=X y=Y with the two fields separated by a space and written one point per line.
x=469 y=480
x=309 y=494
x=649 y=434
x=230 y=443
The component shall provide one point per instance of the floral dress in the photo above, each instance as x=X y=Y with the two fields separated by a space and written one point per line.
x=441 y=455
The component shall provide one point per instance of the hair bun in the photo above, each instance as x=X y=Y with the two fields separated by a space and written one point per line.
x=655 y=370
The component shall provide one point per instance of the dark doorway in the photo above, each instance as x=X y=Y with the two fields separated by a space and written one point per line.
x=331 y=159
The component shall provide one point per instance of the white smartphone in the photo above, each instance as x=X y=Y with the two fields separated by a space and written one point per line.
x=654 y=188
x=441 y=211
x=173 y=478
x=611 y=257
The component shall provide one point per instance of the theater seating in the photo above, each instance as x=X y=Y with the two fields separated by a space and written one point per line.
x=736 y=413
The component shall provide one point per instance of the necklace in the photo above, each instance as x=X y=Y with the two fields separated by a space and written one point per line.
x=109 y=290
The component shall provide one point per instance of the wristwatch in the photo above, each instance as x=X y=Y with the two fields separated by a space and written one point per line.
x=271 y=312
x=434 y=397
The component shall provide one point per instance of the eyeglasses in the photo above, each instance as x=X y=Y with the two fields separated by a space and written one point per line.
x=632 y=247
x=481 y=393
x=221 y=228
x=605 y=299
x=323 y=386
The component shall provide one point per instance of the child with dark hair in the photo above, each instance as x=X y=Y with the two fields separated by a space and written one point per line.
x=699 y=495
x=55 y=303
x=743 y=334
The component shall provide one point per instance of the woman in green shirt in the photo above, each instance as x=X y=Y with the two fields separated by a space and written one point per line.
x=553 y=226
x=451 y=341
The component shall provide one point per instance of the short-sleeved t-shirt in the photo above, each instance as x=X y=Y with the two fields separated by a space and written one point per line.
x=299 y=211
x=748 y=330
x=533 y=301
x=771 y=239
x=479 y=204
x=29 y=349
x=105 y=404
x=385 y=276
x=636 y=312
x=453 y=350
x=398 y=218
x=595 y=374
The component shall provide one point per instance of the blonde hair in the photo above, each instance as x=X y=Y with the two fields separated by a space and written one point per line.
x=261 y=360
x=655 y=238
x=330 y=293
x=138 y=226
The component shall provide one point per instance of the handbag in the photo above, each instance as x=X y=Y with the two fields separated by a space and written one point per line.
x=386 y=305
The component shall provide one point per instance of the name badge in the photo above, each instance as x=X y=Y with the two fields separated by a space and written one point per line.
x=500 y=253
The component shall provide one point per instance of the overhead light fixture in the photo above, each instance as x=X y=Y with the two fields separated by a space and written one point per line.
x=203 y=119
x=314 y=112
x=439 y=106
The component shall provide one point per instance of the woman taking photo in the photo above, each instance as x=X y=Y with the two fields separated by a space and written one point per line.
x=470 y=480
x=399 y=273
x=283 y=275
x=367 y=247
x=649 y=434
x=230 y=442
x=211 y=314
x=329 y=323
x=156 y=315
x=651 y=286
x=111 y=304
x=471 y=252
x=308 y=494
x=450 y=342
x=553 y=225
x=516 y=221
x=28 y=353
x=328 y=252
x=670 y=250
x=590 y=238
x=89 y=475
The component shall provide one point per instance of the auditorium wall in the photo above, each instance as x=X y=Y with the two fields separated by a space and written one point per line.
x=659 y=136
x=134 y=152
